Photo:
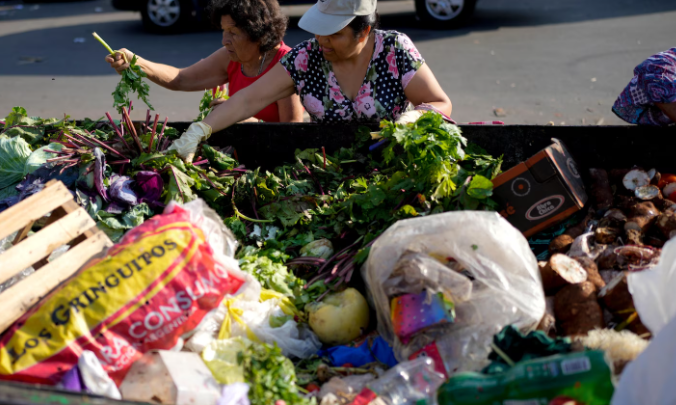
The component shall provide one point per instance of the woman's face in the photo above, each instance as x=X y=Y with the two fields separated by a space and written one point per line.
x=237 y=42
x=341 y=45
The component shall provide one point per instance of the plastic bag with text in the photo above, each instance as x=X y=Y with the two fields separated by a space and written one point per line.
x=444 y=285
x=144 y=293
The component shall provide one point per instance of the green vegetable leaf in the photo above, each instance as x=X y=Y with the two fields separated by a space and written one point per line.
x=32 y=135
x=179 y=188
x=218 y=160
x=40 y=156
x=236 y=226
x=131 y=82
x=205 y=102
x=7 y=192
x=407 y=211
x=480 y=187
x=15 y=117
x=270 y=375
x=14 y=154
x=115 y=225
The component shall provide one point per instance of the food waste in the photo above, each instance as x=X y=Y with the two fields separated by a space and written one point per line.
x=633 y=214
x=304 y=228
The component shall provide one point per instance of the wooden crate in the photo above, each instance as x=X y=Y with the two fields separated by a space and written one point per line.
x=68 y=224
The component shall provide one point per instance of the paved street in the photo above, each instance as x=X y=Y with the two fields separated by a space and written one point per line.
x=538 y=61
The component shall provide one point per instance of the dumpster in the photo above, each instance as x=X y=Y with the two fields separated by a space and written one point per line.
x=269 y=145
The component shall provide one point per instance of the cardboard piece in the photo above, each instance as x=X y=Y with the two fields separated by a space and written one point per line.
x=542 y=191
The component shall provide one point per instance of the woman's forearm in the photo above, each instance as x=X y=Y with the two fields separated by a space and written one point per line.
x=205 y=74
x=230 y=112
x=445 y=107
x=272 y=87
x=160 y=74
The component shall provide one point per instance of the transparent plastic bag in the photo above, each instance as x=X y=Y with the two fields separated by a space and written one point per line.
x=411 y=382
x=345 y=389
x=480 y=246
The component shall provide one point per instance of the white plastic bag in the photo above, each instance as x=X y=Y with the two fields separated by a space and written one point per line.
x=235 y=394
x=95 y=378
x=506 y=288
x=247 y=314
x=649 y=379
x=253 y=316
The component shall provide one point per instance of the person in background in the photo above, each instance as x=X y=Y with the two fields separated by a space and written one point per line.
x=351 y=71
x=650 y=97
x=252 y=45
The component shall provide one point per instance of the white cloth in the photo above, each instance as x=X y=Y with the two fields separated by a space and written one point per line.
x=187 y=144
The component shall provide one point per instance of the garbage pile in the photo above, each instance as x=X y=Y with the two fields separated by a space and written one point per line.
x=337 y=279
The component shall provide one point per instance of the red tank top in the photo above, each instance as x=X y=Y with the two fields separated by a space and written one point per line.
x=237 y=81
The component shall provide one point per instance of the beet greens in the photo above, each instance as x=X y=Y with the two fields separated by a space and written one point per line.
x=131 y=82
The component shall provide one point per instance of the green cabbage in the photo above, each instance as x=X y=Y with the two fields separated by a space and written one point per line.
x=40 y=156
x=13 y=156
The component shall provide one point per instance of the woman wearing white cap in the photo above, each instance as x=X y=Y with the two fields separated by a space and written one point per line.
x=351 y=71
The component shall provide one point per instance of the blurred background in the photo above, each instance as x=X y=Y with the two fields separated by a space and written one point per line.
x=518 y=61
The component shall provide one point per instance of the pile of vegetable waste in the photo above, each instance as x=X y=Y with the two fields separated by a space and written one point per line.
x=304 y=227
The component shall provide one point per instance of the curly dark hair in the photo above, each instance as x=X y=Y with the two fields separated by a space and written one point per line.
x=262 y=20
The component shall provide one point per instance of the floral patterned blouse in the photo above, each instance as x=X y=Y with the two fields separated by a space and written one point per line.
x=394 y=63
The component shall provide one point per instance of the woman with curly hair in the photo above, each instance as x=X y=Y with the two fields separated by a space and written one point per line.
x=650 y=97
x=350 y=72
x=252 y=45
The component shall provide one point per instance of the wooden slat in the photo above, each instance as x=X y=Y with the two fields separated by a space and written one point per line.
x=23 y=233
x=33 y=208
x=41 y=244
x=70 y=206
x=20 y=297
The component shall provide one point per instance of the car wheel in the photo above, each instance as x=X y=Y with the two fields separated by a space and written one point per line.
x=444 y=14
x=166 y=16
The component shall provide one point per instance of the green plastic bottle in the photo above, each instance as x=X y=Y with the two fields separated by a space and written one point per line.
x=584 y=377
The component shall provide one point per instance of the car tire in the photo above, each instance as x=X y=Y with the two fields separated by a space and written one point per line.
x=445 y=14
x=166 y=16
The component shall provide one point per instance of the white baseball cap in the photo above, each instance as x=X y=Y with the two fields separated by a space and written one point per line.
x=330 y=16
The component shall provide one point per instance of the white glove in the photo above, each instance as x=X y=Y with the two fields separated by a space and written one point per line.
x=410 y=117
x=186 y=145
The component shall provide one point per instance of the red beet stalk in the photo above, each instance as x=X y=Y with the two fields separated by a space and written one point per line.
x=154 y=132
x=103 y=145
x=132 y=130
x=119 y=133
